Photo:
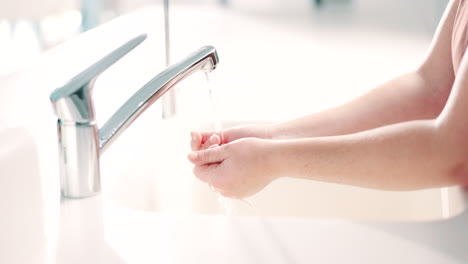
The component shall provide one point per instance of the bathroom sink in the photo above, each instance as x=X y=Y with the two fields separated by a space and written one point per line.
x=147 y=168
x=158 y=177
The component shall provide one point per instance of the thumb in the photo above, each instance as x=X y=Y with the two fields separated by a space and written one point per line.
x=207 y=156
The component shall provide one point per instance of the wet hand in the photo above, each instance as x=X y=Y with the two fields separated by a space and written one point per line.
x=237 y=169
x=205 y=139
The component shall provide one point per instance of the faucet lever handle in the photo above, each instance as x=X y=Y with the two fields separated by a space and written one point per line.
x=72 y=102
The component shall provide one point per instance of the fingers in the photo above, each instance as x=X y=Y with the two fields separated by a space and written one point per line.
x=214 y=154
x=203 y=140
x=195 y=144
x=213 y=140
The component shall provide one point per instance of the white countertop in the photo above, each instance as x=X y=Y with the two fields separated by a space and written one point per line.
x=95 y=230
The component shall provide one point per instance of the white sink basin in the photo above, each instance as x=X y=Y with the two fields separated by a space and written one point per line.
x=148 y=170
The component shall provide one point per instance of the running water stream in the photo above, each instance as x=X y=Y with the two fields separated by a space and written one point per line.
x=226 y=204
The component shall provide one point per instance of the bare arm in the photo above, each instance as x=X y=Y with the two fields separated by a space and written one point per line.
x=424 y=149
x=417 y=95
x=408 y=155
x=405 y=156
x=420 y=94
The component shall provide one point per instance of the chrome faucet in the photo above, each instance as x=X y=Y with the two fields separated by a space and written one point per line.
x=81 y=143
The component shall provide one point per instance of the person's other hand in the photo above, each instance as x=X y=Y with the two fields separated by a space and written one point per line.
x=204 y=139
x=237 y=169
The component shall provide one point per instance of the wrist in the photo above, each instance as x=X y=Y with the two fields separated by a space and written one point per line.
x=276 y=131
x=290 y=157
x=269 y=131
x=274 y=159
x=281 y=131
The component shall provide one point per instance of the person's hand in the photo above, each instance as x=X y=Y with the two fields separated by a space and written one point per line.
x=205 y=139
x=237 y=169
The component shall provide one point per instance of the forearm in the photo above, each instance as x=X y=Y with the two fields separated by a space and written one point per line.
x=410 y=155
x=408 y=97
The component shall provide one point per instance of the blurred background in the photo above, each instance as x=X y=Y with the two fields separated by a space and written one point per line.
x=27 y=28
x=265 y=45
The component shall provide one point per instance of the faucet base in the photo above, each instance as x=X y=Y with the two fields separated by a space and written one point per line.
x=79 y=159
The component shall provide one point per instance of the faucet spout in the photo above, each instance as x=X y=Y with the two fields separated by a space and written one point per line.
x=81 y=142
x=205 y=58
